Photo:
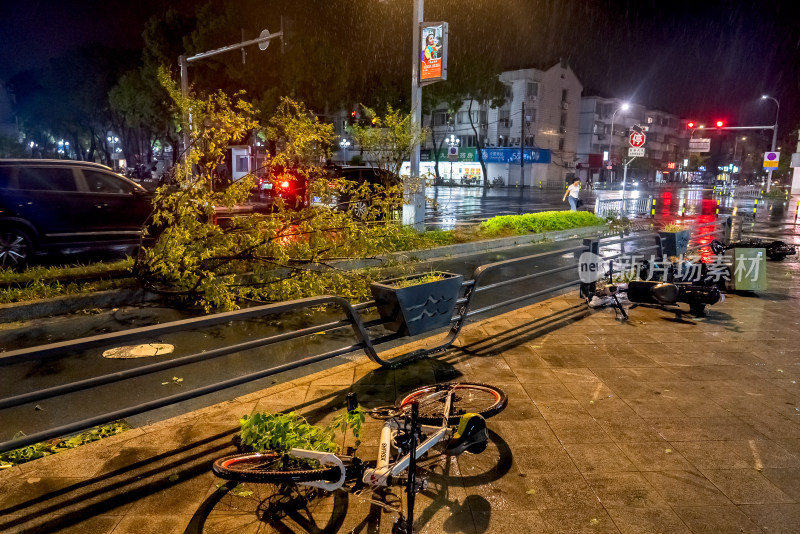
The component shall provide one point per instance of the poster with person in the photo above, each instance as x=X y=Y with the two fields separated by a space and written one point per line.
x=434 y=59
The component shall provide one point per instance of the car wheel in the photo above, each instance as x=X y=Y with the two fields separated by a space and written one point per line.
x=16 y=248
x=360 y=209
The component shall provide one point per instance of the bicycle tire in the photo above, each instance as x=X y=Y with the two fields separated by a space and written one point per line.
x=265 y=467
x=482 y=399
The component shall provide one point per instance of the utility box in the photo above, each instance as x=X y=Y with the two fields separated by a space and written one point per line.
x=749 y=269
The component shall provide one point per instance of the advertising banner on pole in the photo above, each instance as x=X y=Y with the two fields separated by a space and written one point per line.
x=433 y=63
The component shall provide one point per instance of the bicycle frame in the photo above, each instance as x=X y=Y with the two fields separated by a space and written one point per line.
x=384 y=471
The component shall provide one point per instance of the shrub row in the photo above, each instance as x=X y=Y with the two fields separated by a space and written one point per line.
x=534 y=223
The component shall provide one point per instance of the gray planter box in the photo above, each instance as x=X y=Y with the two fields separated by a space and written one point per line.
x=418 y=308
x=674 y=243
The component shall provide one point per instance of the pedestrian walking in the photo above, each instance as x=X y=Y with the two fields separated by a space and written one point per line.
x=572 y=193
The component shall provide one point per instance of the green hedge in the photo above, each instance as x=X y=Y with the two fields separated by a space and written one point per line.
x=534 y=223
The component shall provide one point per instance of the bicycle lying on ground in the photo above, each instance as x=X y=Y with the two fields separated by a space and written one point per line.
x=452 y=415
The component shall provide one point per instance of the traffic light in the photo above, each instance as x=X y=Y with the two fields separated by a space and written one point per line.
x=720 y=124
x=690 y=124
x=353 y=117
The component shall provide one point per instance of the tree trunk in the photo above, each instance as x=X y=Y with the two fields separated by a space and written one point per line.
x=479 y=147
x=435 y=150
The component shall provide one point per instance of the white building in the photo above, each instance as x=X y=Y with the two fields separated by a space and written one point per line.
x=548 y=135
x=548 y=132
x=665 y=147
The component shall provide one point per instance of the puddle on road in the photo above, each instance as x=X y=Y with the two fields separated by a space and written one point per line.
x=147 y=350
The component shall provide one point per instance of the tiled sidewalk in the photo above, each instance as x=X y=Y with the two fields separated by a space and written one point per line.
x=649 y=426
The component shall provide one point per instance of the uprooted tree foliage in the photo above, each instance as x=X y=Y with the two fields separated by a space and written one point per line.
x=291 y=253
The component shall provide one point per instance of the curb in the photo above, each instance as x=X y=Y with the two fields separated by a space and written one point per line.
x=24 y=311
x=21 y=311
x=472 y=247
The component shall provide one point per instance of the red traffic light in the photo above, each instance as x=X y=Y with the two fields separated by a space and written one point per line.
x=690 y=124
x=720 y=124
x=353 y=114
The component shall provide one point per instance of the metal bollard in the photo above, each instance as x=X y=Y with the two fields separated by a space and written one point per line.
x=717 y=207
x=755 y=205
x=653 y=210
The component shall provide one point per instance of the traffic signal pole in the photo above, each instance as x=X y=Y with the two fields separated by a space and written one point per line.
x=774 y=129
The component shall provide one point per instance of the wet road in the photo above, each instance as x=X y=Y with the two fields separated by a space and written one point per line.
x=774 y=221
x=23 y=377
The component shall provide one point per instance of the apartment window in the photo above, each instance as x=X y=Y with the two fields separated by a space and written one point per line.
x=530 y=115
x=563 y=122
x=650 y=120
x=503 y=118
x=509 y=92
x=561 y=143
x=533 y=89
x=467 y=140
x=564 y=94
x=439 y=118
x=530 y=140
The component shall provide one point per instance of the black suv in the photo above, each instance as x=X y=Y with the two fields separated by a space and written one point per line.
x=62 y=205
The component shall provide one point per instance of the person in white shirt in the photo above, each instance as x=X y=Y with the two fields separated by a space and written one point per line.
x=572 y=191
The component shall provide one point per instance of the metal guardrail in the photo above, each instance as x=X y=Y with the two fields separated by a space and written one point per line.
x=352 y=320
x=704 y=232
x=755 y=229
x=745 y=191
x=641 y=206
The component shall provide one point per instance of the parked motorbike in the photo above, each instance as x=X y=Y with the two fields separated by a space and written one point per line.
x=650 y=292
x=776 y=250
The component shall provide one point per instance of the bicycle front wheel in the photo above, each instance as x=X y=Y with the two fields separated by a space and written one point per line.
x=270 y=467
x=482 y=399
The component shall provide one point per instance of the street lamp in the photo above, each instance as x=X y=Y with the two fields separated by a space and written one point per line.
x=344 y=144
x=623 y=107
x=452 y=142
x=774 y=135
x=736 y=145
x=115 y=149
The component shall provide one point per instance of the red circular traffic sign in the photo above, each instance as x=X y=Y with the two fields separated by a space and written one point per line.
x=637 y=139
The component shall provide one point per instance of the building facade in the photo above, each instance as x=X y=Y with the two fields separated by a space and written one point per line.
x=539 y=121
x=666 y=146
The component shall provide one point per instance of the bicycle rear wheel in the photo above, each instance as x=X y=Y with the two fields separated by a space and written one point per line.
x=481 y=399
x=270 y=467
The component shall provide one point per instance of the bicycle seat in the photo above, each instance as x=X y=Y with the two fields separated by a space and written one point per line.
x=471 y=435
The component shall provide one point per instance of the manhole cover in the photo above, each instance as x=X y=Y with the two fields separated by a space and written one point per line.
x=139 y=351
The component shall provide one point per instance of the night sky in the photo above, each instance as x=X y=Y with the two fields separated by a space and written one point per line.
x=700 y=59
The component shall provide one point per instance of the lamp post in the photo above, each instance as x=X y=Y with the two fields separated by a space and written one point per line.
x=623 y=107
x=344 y=144
x=774 y=135
x=736 y=146
x=452 y=142
x=113 y=140
x=735 y=161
